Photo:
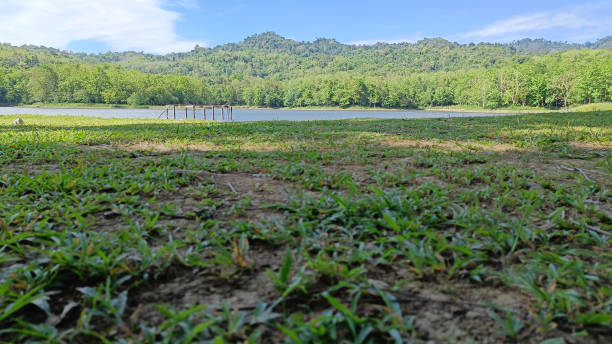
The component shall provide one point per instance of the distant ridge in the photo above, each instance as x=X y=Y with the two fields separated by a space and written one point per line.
x=273 y=42
x=271 y=55
x=542 y=46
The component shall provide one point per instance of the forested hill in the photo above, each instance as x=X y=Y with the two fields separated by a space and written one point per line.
x=270 y=55
x=272 y=71
x=542 y=46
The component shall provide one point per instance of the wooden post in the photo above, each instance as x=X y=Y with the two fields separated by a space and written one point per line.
x=213 y=110
x=174 y=111
x=193 y=108
x=204 y=111
x=231 y=113
x=222 y=113
x=186 y=112
x=167 y=112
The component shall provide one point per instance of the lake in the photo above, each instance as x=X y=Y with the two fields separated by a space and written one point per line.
x=241 y=115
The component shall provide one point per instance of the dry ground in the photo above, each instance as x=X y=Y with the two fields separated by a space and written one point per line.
x=477 y=230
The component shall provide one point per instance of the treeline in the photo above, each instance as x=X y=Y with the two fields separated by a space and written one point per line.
x=572 y=77
x=268 y=55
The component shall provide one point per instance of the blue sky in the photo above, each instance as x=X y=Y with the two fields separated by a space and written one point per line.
x=161 y=26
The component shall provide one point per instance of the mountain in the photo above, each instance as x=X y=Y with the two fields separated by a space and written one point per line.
x=541 y=46
x=269 y=55
x=602 y=43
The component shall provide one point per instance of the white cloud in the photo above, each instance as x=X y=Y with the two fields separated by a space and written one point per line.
x=573 y=21
x=190 y=4
x=120 y=24
x=532 y=22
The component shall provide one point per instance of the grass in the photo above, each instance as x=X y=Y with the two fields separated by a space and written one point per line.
x=505 y=109
x=91 y=106
x=593 y=107
x=442 y=230
x=524 y=109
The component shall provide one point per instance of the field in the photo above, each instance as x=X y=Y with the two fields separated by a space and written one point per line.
x=482 y=230
x=525 y=109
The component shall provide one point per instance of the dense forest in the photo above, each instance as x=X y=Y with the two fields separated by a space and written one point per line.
x=269 y=70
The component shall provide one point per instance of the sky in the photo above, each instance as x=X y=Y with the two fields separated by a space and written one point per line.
x=163 y=26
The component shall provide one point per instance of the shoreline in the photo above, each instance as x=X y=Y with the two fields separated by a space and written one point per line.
x=243 y=107
x=513 y=111
x=87 y=106
x=529 y=110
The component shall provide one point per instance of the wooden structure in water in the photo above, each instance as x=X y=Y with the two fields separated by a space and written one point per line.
x=226 y=111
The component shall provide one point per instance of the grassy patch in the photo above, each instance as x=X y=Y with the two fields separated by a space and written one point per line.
x=593 y=107
x=91 y=106
x=444 y=230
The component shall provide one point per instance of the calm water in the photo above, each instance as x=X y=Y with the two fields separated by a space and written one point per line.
x=244 y=114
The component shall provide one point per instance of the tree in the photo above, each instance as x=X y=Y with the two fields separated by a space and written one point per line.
x=517 y=86
x=42 y=84
x=591 y=84
x=563 y=85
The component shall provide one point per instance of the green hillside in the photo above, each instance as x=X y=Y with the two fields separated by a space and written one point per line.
x=271 y=55
x=269 y=70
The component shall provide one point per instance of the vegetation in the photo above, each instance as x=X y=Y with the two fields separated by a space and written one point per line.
x=268 y=70
x=444 y=230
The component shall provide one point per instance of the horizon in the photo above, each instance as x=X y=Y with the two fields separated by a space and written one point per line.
x=357 y=44
x=165 y=26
